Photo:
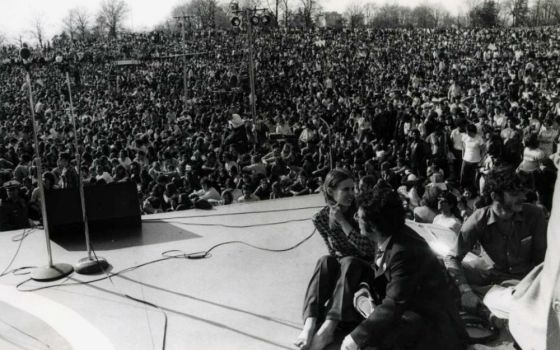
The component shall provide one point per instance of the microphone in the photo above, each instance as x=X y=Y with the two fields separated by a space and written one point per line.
x=91 y=264
x=51 y=271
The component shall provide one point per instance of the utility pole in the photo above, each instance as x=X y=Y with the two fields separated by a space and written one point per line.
x=250 y=17
x=183 y=21
x=252 y=98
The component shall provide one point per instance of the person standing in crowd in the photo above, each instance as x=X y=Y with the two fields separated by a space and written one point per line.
x=35 y=211
x=69 y=175
x=456 y=136
x=548 y=135
x=439 y=146
x=417 y=154
x=473 y=152
x=532 y=159
x=512 y=234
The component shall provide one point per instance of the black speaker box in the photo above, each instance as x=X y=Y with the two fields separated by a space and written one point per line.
x=110 y=206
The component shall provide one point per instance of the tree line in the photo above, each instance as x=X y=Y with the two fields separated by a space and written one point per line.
x=209 y=14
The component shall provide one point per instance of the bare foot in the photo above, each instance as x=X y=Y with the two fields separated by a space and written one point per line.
x=324 y=336
x=303 y=341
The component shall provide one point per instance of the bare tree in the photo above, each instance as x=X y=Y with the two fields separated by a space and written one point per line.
x=112 y=15
x=38 y=30
x=250 y=3
x=82 y=18
x=441 y=16
x=369 y=12
x=286 y=11
x=423 y=17
x=207 y=14
x=69 y=24
x=355 y=15
x=308 y=9
x=546 y=12
x=388 y=16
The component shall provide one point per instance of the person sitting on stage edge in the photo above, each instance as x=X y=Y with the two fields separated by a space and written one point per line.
x=328 y=300
x=415 y=306
x=512 y=234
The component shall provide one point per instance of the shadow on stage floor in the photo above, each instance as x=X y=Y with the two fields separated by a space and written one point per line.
x=119 y=238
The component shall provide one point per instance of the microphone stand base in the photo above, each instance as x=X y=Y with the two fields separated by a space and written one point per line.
x=89 y=266
x=51 y=273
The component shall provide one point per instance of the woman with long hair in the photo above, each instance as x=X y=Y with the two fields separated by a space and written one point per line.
x=328 y=301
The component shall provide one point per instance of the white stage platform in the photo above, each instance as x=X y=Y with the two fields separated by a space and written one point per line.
x=238 y=298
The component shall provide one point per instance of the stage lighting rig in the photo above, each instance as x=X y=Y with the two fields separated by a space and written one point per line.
x=254 y=16
x=247 y=18
x=235 y=21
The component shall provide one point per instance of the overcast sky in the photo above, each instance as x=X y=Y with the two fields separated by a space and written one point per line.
x=17 y=16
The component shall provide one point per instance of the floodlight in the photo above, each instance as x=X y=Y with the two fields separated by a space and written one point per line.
x=255 y=20
x=235 y=21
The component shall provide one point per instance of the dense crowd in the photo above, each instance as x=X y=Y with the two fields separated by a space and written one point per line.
x=427 y=112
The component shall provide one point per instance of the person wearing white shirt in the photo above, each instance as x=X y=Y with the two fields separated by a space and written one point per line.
x=457 y=141
x=446 y=203
x=283 y=127
x=207 y=192
x=548 y=135
x=125 y=160
x=499 y=119
x=473 y=151
x=103 y=175
x=509 y=130
x=532 y=154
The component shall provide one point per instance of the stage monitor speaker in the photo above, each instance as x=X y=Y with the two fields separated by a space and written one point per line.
x=110 y=206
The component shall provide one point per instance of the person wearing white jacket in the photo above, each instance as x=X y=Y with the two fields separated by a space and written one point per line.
x=534 y=317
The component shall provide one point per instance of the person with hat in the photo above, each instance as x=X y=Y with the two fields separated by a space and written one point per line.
x=14 y=212
x=237 y=135
x=511 y=232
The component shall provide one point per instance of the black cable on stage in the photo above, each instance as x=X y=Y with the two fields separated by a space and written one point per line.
x=166 y=256
x=138 y=301
x=238 y=213
x=206 y=254
x=24 y=235
x=151 y=221
x=18 y=238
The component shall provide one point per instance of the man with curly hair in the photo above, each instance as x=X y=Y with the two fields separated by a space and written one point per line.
x=512 y=235
x=415 y=308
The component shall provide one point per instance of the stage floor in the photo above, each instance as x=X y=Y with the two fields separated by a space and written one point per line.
x=239 y=297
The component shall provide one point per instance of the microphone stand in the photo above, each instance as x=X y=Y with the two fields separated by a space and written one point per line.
x=52 y=271
x=91 y=264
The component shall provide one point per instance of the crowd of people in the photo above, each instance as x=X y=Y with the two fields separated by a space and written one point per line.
x=455 y=127
x=426 y=111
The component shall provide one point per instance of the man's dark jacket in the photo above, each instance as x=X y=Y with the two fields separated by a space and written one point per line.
x=411 y=278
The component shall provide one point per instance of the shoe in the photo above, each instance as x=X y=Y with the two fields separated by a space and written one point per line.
x=363 y=301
